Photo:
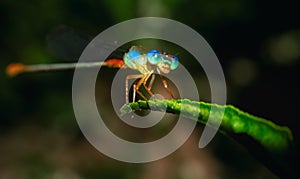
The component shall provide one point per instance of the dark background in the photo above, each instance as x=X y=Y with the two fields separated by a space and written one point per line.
x=257 y=43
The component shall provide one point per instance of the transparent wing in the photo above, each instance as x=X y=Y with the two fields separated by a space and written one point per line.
x=68 y=43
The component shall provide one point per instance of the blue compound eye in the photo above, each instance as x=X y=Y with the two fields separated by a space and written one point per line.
x=154 y=57
x=175 y=63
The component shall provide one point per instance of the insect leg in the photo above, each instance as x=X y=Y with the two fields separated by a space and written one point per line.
x=134 y=93
x=133 y=76
x=165 y=83
x=151 y=81
x=139 y=83
x=148 y=88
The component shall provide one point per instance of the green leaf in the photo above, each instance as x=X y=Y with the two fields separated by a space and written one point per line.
x=274 y=138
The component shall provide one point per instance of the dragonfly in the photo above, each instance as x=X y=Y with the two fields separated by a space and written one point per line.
x=146 y=62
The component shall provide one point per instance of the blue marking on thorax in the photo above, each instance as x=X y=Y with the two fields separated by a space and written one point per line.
x=135 y=60
x=133 y=54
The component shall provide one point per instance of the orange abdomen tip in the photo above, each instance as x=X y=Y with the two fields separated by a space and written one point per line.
x=114 y=63
x=14 y=69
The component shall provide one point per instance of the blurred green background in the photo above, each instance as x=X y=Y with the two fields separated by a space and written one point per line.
x=257 y=43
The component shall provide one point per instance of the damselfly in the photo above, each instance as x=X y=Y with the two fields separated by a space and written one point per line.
x=147 y=63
